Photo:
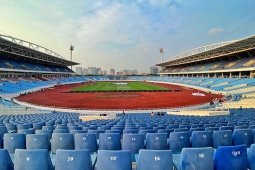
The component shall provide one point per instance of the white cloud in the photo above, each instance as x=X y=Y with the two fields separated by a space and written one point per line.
x=215 y=31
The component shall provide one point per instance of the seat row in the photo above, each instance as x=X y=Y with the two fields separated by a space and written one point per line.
x=225 y=157
x=133 y=142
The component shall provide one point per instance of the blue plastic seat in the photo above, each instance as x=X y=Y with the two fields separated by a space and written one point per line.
x=156 y=141
x=196 y=158
x=74 y=128
x=212 y=129
x=48 y=128
x=242 y=136
x=85 y=141
x=181 y=130
x=77 y=131
x=109 y=141
x=201 y=139
x=3 y=130
x=231 y=157
x=155 y=159
x=97 y=132
x=73 y=159
x=47 y=132
x=104 y=128
x=32 y=159
x=196 y=125
x=227 y=128
x=62 y=141
x=87 y=128
x=251 y=127
x=22 y=126
x=179 y=140
x=26 y=131
x=114 y=160
x=37 y=126
x=195 y=129
x=12 y=128
x=5 y=161
x=113 y=131
x=222 y=138
x=61 y=127
x=61 y=131
x=144 y=132
x=14 y=141
x=1 y=141
x=184 y=126
x=241 y=127
x=251 y=157
x=168 y=131
x=133 y=143
x=37 y=141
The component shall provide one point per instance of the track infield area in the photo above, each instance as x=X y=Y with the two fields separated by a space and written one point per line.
x=118 y=86
x=59 y=97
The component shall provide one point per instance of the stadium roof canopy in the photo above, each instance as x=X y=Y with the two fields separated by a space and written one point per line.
x=18 y=49
x=212 y=51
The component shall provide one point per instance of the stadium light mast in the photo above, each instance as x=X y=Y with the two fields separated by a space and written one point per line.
x=161 y=54
x=71 y=49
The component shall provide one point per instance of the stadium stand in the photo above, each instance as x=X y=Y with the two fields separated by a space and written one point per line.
x=134 y=140
x=136 y=144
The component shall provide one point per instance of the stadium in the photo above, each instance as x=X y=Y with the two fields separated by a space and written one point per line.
x=195 y=114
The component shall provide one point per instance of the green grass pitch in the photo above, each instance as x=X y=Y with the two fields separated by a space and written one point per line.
x=109 y=86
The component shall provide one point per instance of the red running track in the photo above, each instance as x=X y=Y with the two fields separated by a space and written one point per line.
x=116 y=100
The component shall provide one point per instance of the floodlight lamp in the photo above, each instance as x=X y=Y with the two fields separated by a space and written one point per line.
x=71 y=47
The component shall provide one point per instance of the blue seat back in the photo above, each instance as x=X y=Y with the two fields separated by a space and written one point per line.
x=37 y=141
x=242 y=136
x=61 y=131
x=22 y=126
x=5 y=161
x=37 y=126
x=227 y=128
x=14 y=141
x=85 y=141
x=97 y=132
x=179 y=140
x=109 y=141
x=3 y=130
x=251 y=157
x=32 y=159
x=222 y=138
x=196 y=158
x=168 y=131
x=62 y=141
x=155 y=159
x=201 y=139
x=1 y=141
x=114 y=160
x=26 y=131
x=231 y=157
x=156 y=141
x=73 y=159
x=133 y=142
x=48 y=128
x=47 y=132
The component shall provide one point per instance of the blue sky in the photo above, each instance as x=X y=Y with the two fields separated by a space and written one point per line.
x=126 y=34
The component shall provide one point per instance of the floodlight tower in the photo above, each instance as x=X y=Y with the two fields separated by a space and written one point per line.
x=161 y=58
x=71 y=49
x=161 y=54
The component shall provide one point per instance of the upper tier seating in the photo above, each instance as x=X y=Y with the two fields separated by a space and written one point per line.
x=21 y=65
x=222 y=65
